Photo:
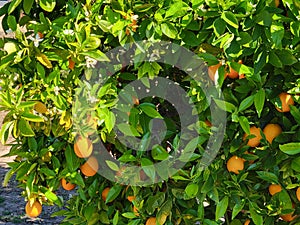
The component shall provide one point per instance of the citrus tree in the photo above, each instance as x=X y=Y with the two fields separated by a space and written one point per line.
x=251 y=52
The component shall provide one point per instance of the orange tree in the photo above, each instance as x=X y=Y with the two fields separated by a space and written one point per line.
x=254 y=178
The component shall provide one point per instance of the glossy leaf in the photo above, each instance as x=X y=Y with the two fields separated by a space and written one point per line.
x=47 y=5
x=221 y=207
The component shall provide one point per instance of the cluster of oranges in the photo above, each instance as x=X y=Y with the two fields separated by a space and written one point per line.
x=213 y=72
x=276 y=188
x=235 y=163
x=83 y=148
x=271 y=131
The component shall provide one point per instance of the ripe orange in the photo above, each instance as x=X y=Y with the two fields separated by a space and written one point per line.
x=247 y=222
x=271 y=131
x=71 y=64
x=40 y=34
x=288 y=217
x=212 y=71
x=241 y=76
x=90 y=167
x=274 y=188
x=235 y=164
x=298 y=193
x=67 y=185
x=208 y=123
x=135 y=100
x=33 y=210
x=135 y=210
x=233 y=74
x=131 y=198
x=286 y=100
x=105 y=193
x=151 y=221
x=83 y=147
x=253 y=142
x=277 y=2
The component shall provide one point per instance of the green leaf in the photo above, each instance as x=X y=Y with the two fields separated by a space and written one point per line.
x=191 y=190
x=169 y=30
x=154 y=202
x=290 y=148
x=256 y=218
x=295 y=28
x=113 y=193
x=209 y=58
x=71 y=159
x=277 y=33
x=116 y=218
x=13 y=5
x=275 y=60
x=246 y=103
x=286 y=57
x=264 y=18
x=260 y=61
x=96 y=54
x=25 y=128
x=150 y=111
x=244 y=124
x=32 y=144
x=41 y=71
x=221 y=208
x=148 y=167
x=268 y=176
x=295 y=112
x=112 y=165
x=285 y=199
x=159 y=153
x=296 y=164
x=259 y=101
x=31 y=117
x=127 y=158
x=102 y=216
x=237 y=208
x=209 y=222
x=129 y=215
x=135 y=222
x=235 y=222
x=5 y=131
x=110 y=121
x=27 y=5
x=190 y=39
x=24 y=105
x=219 y=27
x=241 y=68
x=226 y=106
x=128 y=130
x=47 y=5
x=177 y=9
x=53 y=197
x=12 y=23
x=230 y=19
x=7 y=177
x=164 y=212
x=49 y=173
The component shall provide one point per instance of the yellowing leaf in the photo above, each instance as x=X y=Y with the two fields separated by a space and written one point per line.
x=42 y=58
x=40 y=107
